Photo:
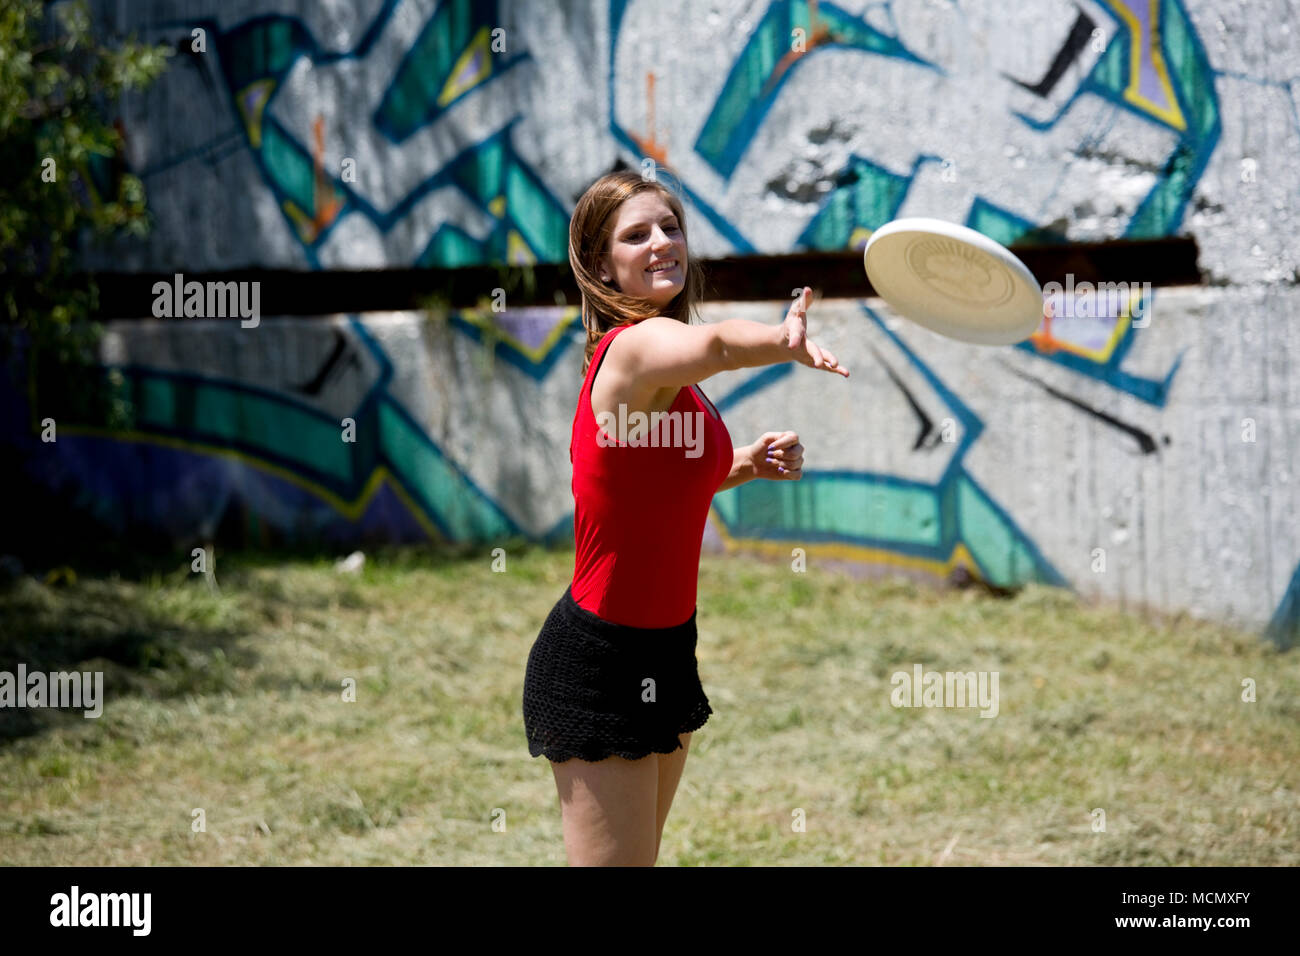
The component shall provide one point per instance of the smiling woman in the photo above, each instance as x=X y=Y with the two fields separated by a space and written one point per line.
x=647 y=251
x=612 y=692
x=622 y=227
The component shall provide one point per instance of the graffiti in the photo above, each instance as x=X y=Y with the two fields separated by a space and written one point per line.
x=1145 y=441
x=393 y=474
x=935 y=526
x=449 y=59
x=755 y=81
x=807 y=127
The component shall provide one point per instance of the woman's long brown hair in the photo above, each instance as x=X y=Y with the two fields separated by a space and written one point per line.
x=604 y=307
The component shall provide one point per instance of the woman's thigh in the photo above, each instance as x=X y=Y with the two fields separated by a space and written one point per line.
x=609 y=810
x=670 y=774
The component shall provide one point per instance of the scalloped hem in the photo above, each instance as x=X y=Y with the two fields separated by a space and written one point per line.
x=596 y=751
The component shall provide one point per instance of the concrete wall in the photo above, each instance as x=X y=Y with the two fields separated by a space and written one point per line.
x=1152 y=123
x=371 y=132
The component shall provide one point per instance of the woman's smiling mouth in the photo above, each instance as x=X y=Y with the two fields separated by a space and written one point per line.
x=664 y=266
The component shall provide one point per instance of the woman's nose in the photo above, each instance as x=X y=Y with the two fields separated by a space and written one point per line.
x=659 y=239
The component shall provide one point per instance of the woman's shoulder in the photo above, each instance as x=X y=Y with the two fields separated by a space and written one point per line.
x=643 y=333
x=610 y=334
x=646 y=326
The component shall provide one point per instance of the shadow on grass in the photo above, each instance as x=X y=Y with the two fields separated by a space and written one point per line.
x=142 y=646
x=156 y=629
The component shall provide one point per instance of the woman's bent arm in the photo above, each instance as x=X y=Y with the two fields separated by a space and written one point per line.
x=742 y=469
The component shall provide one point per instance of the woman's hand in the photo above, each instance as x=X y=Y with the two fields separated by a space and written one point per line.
x=778 y=456
x=795 y=333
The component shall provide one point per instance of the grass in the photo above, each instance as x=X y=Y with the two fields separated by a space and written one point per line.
x=225 y=707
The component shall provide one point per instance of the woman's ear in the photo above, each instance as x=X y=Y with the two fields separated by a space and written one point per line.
x=602 y=269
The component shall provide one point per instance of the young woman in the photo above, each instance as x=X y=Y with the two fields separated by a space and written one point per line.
x=611 y=692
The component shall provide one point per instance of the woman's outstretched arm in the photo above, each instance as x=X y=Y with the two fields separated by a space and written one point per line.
x=659 y=352
x=747 y=344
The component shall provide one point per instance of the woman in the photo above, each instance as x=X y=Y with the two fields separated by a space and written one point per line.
x=612 y=693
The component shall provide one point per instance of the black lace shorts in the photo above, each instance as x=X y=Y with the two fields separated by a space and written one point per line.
x=587 y=690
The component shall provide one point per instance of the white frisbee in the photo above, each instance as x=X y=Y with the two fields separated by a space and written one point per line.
x=954 y=281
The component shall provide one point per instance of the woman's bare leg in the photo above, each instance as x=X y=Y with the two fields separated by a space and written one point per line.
x=670 y=772
x=608 y=810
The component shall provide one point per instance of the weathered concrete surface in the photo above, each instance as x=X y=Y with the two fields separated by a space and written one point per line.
x=355 y=134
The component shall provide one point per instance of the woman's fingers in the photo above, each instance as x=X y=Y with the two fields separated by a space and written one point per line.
x=796 y=323
x=786 y=457
x=833 y=364
x=785 y=452
x=816 y=353
x=797 y=319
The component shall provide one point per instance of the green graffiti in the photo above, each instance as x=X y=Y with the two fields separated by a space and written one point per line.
x=451 y=56
x=854 y=211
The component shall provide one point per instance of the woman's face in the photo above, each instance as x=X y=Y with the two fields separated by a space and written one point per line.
x=647 y=250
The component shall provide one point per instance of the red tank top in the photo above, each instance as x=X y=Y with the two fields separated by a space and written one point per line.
x=639 y=510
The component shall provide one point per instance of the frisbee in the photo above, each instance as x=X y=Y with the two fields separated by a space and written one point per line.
x=954 y=281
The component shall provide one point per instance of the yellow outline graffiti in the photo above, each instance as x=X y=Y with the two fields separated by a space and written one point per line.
x=477 y=47
x=352 y=510
x=253 y=122
x=1101 y=355
x=1171 y=114
x=536 y=355
x=850 y=552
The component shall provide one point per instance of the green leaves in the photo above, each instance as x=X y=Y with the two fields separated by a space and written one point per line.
x=62 y=180
x=58 y=143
